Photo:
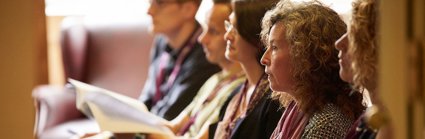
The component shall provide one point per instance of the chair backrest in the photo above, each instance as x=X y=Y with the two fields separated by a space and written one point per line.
x=108 y=52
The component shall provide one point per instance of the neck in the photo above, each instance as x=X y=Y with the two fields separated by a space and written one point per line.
x=374 y=95
x=179 y=36
x=229 y=67
x=253 y=72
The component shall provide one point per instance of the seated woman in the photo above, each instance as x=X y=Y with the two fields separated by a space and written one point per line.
x=359 y=60
x=301 y=60
x=251 y=114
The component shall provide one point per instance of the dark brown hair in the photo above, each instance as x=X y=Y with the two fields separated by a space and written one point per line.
x=249 y=14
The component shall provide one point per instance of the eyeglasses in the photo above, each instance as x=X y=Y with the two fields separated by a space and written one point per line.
x=228 y=26
x=160 y=3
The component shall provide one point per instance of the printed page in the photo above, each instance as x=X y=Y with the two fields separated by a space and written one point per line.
x=118 y=117
x=83 y=89
x=117 y=113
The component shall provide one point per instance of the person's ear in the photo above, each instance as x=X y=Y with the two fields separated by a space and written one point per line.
x=189 y=9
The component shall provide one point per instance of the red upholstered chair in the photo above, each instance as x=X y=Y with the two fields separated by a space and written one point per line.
x=111 y=53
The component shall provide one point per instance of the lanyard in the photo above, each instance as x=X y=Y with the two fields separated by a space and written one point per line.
x=164 y=59
x=212 y=95
x=244 y=92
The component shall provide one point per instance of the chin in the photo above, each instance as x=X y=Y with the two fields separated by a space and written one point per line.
x=157 y=30
x=274 y=87
x=154 y=31
x=151 y=29
x=345 y=77
x=230 y=57
x=211 y=60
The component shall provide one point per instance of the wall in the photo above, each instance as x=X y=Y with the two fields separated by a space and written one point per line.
x=402 y=66
x=22 y=64
x=56 y=75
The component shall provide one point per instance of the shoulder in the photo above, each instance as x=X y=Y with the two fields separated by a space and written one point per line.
x=329 y=122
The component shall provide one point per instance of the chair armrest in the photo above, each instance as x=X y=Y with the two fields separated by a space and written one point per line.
x=54 y=105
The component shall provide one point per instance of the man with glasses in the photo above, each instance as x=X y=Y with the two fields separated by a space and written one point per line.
x=178 y=64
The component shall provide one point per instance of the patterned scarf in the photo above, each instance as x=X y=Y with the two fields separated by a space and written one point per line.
x=292 y=123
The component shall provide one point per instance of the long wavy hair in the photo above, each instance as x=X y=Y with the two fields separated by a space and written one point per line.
x=311 y=30
x=363 y=43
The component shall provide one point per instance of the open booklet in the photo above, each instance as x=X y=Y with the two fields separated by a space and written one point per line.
x=117 y=113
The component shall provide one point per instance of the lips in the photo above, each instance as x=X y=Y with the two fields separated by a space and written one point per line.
x=269 y=77
x=205 y=51
x=340 y=54
x=341 y=61
x=341 y=58
x=267 y=72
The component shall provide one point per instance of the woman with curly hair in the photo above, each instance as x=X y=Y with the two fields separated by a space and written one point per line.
x=301 y=61
x=251 y=113
x=359 y=59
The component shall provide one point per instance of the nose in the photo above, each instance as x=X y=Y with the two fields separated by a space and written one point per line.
x=265 y=60
x=151 y=9
x=342 y=43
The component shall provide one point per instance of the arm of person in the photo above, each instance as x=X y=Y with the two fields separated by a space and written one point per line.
x=203 y=132
x=177 y=123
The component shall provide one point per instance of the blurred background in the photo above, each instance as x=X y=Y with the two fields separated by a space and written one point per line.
x=30 y=54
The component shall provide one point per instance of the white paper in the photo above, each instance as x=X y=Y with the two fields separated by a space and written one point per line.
x=117 y=113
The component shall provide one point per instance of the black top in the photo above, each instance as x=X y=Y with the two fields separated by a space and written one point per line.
x=261 y=121
x=195 y=70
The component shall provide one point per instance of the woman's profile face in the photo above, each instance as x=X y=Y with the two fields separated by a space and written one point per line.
x=345 y=71
x=277 y=60
x=238 y=49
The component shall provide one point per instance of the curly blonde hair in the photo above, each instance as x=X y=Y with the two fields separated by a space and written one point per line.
x=311 y=30
x=363 y=45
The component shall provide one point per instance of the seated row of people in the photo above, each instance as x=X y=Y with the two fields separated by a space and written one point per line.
x=281 y=76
